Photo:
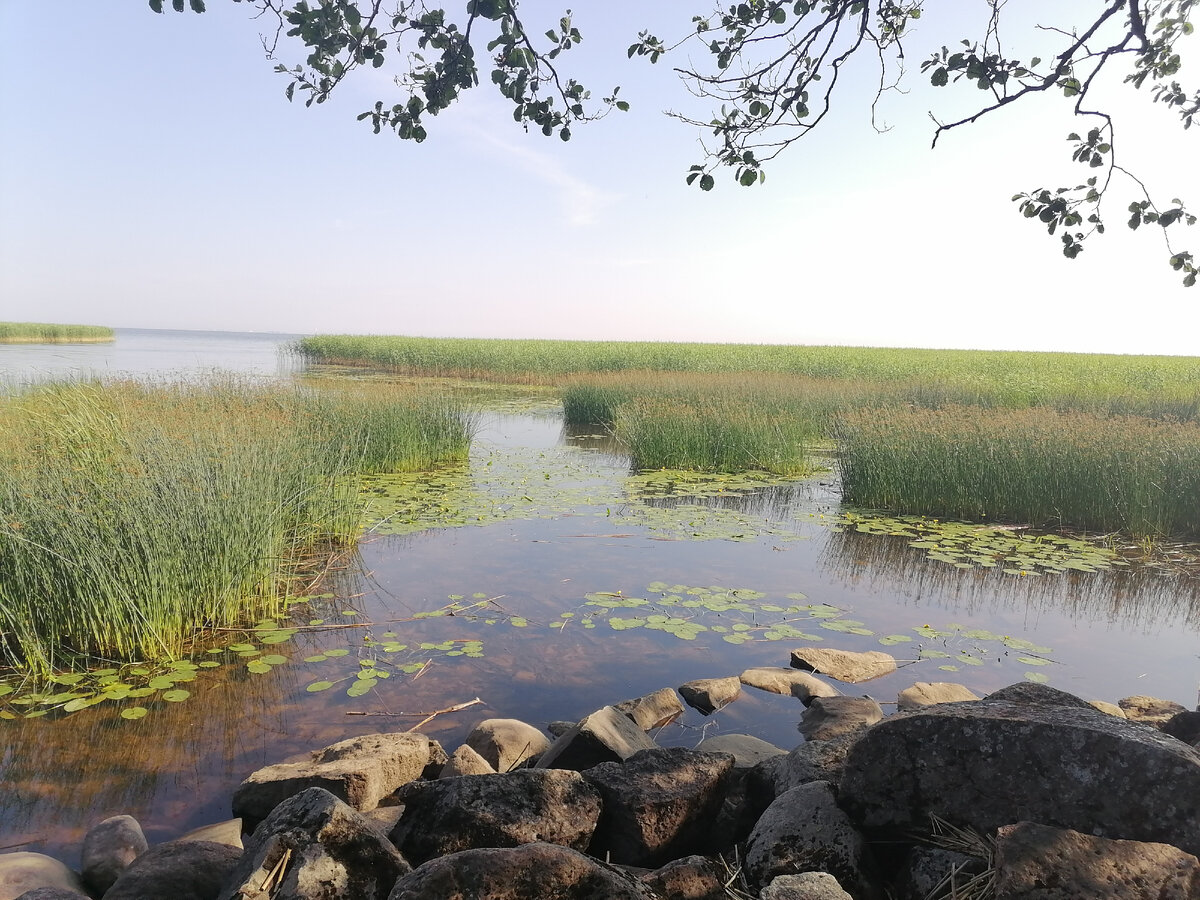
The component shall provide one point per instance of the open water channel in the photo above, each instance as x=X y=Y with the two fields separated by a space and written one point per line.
x=545 y=580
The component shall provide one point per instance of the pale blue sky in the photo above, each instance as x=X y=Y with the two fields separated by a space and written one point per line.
x=153 y=175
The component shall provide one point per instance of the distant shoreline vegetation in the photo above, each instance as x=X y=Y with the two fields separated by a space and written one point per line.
x=1056 y=440
x=41 y=333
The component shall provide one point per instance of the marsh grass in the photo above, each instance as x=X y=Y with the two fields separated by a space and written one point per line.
x=133 y=516
x=714 y=436
x=39 y=333
x=1157 y=386
x=1036 y=466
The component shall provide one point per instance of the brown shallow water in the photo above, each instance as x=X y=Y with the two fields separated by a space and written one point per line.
x=561 y=523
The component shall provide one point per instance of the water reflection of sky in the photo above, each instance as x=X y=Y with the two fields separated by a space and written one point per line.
x=1112 y=634
x=138 y=352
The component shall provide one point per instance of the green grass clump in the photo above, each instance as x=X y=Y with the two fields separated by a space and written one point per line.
x=134 y=516
x=714 y=436
x=1034 y=466
x=39 y=333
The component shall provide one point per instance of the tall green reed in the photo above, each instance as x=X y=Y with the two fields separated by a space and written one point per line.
x=134 y=516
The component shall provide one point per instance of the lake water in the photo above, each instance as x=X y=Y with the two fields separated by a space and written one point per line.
x=576 y=586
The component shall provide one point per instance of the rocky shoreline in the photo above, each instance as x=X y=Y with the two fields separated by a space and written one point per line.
x=1029 y=792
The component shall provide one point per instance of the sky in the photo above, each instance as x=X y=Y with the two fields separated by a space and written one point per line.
x=152 y=174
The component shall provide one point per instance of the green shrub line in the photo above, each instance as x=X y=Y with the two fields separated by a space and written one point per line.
x=41 y=333
x=134 y=516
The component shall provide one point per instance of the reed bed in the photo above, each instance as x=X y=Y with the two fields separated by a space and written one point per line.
x=39 y=333
x=1158 y=386
x=714 y=436
x=133 y=516
x=1034 y=466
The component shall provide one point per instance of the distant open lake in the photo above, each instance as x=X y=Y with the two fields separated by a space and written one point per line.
x=140 y=352
x=544 y=579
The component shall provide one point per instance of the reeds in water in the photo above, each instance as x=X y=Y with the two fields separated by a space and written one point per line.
x=134 y=516
x=1033 y=466
x=40 y=333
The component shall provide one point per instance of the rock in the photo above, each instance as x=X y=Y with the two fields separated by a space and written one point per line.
x=778 y=680
x=227 y=832
x=1111 y=708
x=689 y=878
x=805 y=831
x=384 y=818
x=807 y=886
x=1047 y=757
x=604 y=736
x=830 y=717
x=927 y=693
x=1035 y=862
x=747 y=750
x=710 y=694
x=108 y=848
x=53 y=893
x=466 y=761
x=930 y=871
x=555 y=806
x=1149 y=710
x=844 y=665
x=658 y=805
x=811 y=761
x=360 y=772
x=542 y=871
x=323 y=849
x=653 y=710
x=559 y=728
x=506 y=743
x=23 y=871
x=177 y=870
x=1185 y=726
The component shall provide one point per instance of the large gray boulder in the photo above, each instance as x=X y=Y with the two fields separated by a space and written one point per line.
x=25 y=871
x=108 y=849
x=605 y=736
x=506 y=743
x=1036 y=862
x=844 y=665
x=360 y=772
x=544 y=871
x=1028 y=752
x=551 y=805
x=807 y=886
x=314 y=847
x=689 y=878
x=177 y=870
x=805 y=831
x=658 y=805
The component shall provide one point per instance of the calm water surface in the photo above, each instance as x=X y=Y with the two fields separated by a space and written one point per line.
x=556 y=520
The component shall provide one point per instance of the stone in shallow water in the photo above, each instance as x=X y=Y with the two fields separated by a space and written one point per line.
x=24 y=871
x=747 y=750
x=466 y=761
x=1149 y=710
x=707 y=695
x=506 y=743
x=844 y=665
x=830 y=717
x=108 y=848
x=653 y=710
x=604 y=736
x=927 y=693
x=177 y=870
x=804 y=686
